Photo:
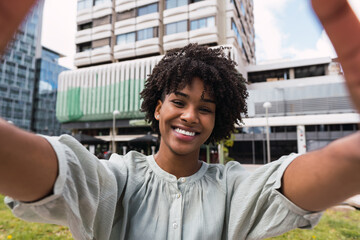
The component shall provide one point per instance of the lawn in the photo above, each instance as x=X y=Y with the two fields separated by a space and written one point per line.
x=333 y=226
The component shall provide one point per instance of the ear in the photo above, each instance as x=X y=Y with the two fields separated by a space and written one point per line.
x=157 y=110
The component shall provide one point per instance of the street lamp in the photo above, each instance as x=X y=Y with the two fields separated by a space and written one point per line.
x=115 y=112
x=267 y=105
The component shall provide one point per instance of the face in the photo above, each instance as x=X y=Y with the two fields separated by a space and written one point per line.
x=186 y=119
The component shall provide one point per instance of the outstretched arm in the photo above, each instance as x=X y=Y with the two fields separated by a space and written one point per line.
x=322 y=178
x=28 y=164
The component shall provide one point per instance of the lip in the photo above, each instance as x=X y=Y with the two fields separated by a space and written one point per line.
x=182 y=136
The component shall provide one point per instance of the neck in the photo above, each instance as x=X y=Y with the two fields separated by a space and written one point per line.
x=178 y=165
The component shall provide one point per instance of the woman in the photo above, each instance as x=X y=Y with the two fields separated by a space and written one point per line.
x=193 y=96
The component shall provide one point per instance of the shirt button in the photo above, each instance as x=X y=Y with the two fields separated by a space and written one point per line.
x=178 y=195
x=182 y=179
x=175 y=225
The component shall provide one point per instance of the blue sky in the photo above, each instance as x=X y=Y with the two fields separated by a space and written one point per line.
x=284 y=29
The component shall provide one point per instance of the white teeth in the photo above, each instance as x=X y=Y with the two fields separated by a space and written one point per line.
x=184 y=132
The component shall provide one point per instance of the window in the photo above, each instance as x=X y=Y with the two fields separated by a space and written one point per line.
x=175 y=3
x=98 y=2
x=238 y=36
x=83 y=4
x=102 y=21
x=243 y=9
x=125 y=38
x=202 y=23
x=152 y=8
x=126 y=15
x=84 y=47
x=147 y=33
x=176 y=27
x=84 y=26
x=194 y=1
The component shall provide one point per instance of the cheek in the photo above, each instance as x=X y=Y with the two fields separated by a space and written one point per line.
x=210 y=123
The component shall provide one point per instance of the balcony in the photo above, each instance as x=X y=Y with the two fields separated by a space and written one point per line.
x=123 y=5
x=148 y=46
x=102 y=10
x=82 y=58
x=125 y=23
x=124 y=51
x=102 y=54
x=84 y=15
x=103 y=31
x=148 y=18
x=202 y=4
x=176 y=40
x=176 y=11
x=204 y=35
x=83 y=36
x=200 y=11
x=145 y=2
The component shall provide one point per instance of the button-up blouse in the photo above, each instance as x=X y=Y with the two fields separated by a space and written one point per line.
x=131 y=197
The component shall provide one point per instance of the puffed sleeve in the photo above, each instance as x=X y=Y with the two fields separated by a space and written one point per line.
x=84 y=195
x=258 y=210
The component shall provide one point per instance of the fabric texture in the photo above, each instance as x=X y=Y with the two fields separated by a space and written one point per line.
x=131 y=197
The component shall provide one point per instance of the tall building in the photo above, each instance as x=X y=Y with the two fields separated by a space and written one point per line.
x=47 y=71
x=17 y=71
x=126 y=38
x=118 y=30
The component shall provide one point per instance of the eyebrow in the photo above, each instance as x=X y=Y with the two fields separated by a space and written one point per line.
x=187 y=96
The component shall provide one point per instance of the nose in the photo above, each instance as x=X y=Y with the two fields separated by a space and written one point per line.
x=190 y=115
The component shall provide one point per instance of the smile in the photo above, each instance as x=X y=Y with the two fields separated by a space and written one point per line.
x=187 y=133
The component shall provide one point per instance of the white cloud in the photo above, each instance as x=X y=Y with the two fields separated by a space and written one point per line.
x=323 y=48
x=269 y=37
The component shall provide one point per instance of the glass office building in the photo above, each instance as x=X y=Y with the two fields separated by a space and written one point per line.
x=47 y=72
x=17 y=71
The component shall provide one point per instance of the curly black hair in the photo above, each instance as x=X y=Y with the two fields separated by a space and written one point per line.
x=222 y=81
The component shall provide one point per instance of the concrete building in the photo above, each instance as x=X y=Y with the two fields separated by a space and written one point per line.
x=44 y=104
x=17 y=71
x=310 y=108
x=118 y=30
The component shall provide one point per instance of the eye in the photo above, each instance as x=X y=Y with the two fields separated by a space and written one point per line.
x=178 y=103
x=205 y=110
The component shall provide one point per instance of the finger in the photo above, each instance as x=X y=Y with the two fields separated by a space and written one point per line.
x=343 y=28
x=12 y=14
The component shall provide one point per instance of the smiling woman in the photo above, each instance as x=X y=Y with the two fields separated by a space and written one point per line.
x=194 y=95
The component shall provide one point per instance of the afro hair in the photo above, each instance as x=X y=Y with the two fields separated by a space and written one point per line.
x=177 y=69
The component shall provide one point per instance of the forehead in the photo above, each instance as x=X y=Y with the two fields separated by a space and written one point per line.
x=196 y=88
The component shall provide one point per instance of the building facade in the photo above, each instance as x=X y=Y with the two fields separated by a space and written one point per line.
x=118 y=30
x=44 y=108
x=17 y=71
x=310 y=107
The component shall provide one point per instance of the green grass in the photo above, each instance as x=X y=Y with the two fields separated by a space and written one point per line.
x=333 y=226
x=14 y=228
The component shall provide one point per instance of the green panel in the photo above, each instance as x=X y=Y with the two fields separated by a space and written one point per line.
x=94 y=104
x=74 y=111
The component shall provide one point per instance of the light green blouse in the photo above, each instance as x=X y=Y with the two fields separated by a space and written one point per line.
x=131 y=197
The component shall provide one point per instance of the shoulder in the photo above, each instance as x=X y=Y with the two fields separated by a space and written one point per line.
x=226 y=175
x=134 y=163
